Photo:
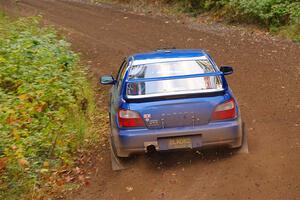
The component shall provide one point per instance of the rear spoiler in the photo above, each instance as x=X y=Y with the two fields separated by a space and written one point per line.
x=173 y=77
x=178 y=96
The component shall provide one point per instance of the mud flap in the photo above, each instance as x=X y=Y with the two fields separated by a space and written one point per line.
x=244 y=147
x=116 y=162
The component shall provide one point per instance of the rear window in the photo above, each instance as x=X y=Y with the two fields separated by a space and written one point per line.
x=179 y=68
x=172 y=86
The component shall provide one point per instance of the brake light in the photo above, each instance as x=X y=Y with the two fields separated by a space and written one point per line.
x=224 y=111
x=129 y=118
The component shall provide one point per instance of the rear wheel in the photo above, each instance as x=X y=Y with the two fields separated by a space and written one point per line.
x=118 y=163
x=243 y=148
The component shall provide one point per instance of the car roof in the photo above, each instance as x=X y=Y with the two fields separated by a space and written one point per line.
x=167 y=55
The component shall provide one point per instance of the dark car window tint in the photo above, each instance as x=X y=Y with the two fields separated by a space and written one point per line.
x=121 y=75
x=120 y=69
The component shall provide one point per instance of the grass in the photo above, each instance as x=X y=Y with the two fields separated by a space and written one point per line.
x=289 y=31
x=47 y=110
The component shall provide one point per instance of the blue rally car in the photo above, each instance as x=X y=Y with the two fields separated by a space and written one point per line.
x=172 y=99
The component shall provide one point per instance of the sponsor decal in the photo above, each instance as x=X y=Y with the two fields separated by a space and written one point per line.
x=147 y=117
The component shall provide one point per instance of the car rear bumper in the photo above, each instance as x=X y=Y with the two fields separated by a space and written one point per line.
x=225 y=133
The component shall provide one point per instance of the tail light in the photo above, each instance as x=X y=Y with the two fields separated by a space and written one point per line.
x=225 y=111
x=129 y=118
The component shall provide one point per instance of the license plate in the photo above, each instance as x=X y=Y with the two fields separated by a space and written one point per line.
x=180 y=142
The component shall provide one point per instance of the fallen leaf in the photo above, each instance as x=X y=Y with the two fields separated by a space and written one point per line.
x=77 y=170
x=69 y=179
x=60 y=182
x=23 y=97
x=129 y=188
x=81 y=178
x=46 y=164
x=23 y=162
x=39 y=108
x=3 y=162
x=44 y=170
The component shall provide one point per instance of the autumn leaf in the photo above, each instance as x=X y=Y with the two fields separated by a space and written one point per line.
x=23 y=162
x=60 y=182
x=41 y=107
x=46 y=164
x=15 y=134
x=3 y=162
x=129 y=188
x=14 y=147
x=11 y=120
x=23 y=97
x=44 y=170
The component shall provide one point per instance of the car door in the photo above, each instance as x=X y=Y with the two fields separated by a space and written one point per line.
x=115 y=92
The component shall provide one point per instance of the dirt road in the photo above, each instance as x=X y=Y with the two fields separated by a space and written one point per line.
x=266 y=82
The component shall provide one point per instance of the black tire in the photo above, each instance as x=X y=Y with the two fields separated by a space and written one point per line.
x=244 y=145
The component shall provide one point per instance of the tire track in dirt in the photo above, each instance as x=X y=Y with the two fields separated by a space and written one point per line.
x=266 y=83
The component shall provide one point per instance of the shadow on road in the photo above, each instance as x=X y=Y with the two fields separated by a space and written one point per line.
x=172 y=159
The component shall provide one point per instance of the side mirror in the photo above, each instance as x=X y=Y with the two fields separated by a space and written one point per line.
x=226 y=70
x=107 y=80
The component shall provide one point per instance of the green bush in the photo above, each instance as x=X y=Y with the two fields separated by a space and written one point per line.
x=45 y=105
x=278 y=15
x=268 y=12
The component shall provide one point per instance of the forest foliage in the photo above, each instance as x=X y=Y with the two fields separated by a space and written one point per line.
x=282 y=16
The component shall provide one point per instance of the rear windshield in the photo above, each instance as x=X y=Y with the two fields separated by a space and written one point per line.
x=172 y=86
